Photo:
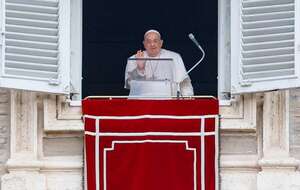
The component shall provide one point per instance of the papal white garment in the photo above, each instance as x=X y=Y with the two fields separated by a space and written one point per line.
x=155 y=70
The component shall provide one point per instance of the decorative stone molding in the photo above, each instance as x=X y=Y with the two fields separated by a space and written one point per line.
x=238 y=172
x=23 y=125
x=278 y=180
x=294 y=129
x=23 y=165
x=68 y=168
x=63 y=163
x=240 y=115
x=239 y=163
x=4 y=129
x=59 y=116
x=238 y=180
x=23 y=181
x=65 y=181
x=67 y=112
x=278 y=168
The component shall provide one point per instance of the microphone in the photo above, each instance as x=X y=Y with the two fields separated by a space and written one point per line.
x=192 y=37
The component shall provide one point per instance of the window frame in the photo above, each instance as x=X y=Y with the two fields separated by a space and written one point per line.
x=224 y=52
x=76 y=52
x=226 y=46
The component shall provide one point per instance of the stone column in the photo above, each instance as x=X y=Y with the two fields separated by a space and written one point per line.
x=23 y=165
x=278 y=169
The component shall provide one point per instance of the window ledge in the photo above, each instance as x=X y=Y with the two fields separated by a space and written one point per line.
x=74 y=103
x=236 y=114
x=225 y=102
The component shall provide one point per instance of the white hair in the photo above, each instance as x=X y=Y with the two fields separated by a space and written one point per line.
x=152 y=31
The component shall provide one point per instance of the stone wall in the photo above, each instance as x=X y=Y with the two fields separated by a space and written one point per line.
x=259 y=138
x=4 y=129
x=295 y=123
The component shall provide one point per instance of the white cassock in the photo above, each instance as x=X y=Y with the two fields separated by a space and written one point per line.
x=154 y=70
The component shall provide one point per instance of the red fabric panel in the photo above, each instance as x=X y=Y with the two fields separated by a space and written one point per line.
x=90 y=161
x=144 y=125
x=130 y=163
x=150 y=162
x=210 y=162
x=150 y=166
x=119 y=107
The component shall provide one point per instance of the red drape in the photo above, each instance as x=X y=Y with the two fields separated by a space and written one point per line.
x=151 y=144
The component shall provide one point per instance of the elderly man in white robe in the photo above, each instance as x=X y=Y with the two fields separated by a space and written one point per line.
x=148 y=69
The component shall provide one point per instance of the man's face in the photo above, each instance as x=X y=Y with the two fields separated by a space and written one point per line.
x=152 y=44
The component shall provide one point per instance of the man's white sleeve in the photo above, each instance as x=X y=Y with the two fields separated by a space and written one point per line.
x=186 y=87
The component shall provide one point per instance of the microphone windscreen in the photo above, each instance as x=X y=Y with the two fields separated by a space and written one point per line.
x=191 y=36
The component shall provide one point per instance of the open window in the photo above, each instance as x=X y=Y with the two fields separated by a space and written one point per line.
x=264 y=45
x=35 y=45
x=41 y=45
x=111 y=34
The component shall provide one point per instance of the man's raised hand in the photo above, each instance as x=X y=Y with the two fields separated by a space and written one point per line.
x=140 y=63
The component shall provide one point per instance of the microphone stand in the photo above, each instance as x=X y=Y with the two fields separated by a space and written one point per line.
x=178 y=94
x=191 y=36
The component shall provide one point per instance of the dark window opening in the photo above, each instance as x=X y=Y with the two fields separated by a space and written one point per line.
x=113 y=31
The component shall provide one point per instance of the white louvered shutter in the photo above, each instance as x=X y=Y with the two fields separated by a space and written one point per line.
x=36 y=45
x=265 y=48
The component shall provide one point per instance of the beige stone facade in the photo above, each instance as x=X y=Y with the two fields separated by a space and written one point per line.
x=41 y=142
